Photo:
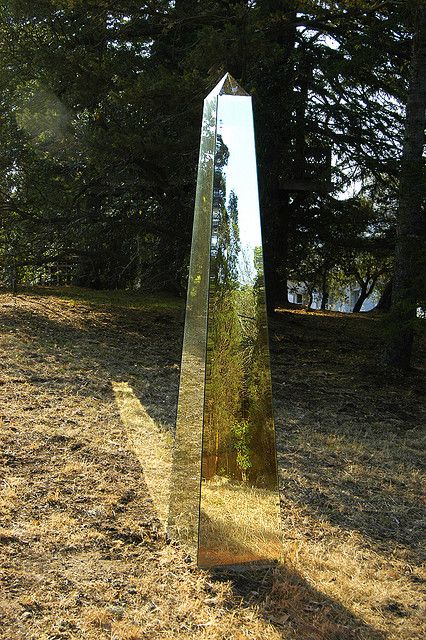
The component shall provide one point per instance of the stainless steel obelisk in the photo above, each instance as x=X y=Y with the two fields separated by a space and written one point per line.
x=224 y=505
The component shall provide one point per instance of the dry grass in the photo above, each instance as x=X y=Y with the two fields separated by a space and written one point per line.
x=238 y=524
x=83 y=548
x=352 y=468
x=152 y=446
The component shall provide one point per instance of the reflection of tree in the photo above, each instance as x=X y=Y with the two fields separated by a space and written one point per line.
x=184 y=501
x=200 y=238
x=238 y=429
x=259 y=384
x=225 y=374
x=225 y=233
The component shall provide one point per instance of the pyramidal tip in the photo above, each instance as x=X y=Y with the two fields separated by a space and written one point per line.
x=227 y=86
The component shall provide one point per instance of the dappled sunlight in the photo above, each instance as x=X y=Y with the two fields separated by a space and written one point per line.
x=350 y=459
x=326 y=313
x=151 y=446
x=345 y=567
x=82 y=484
x=358 y=483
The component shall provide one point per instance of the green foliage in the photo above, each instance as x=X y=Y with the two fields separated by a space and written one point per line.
x=101 y=105
x=241 y=442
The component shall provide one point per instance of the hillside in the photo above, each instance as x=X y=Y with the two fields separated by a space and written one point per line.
x=88 y=392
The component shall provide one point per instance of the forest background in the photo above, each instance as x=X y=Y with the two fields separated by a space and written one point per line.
x=99 y=132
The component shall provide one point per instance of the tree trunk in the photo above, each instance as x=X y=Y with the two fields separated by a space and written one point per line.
x=362 y=297
x=324 y=290
x=273 y=115
x=311 y=298
x=409 y=262
x=276 y=250
x=384 y=303
x=14 y=278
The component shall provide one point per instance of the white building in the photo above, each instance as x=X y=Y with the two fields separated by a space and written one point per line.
x=298 y=294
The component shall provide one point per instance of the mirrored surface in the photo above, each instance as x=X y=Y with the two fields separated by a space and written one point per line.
x=185 y=483
x=224 y=503
x=239 y=509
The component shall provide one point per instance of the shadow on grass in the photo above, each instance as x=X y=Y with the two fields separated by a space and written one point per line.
x=138 y=346
x=293 y=606
x=350 y=448
x=328 y=462
x=142 y=347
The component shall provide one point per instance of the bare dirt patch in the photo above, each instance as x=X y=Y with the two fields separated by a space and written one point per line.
x=83 y=553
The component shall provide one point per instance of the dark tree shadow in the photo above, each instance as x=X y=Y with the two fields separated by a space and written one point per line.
x=349 y=436
x=293 y=606
x=317 y=398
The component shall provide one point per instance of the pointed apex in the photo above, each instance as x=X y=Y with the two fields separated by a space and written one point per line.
x=227 y=86
x=230 y=87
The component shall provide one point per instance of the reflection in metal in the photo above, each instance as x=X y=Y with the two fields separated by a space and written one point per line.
x=225 y=429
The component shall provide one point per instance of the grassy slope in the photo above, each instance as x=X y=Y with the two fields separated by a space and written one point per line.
x=84 y=555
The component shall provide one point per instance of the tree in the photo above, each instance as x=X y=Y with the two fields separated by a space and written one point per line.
x=366 y=269
x=103 y=166
x=408 y=282
x=112 y=168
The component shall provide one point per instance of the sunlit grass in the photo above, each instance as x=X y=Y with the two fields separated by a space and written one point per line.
x=109 y=298
x=238 y=524
x=151 y=445
x=73 y=541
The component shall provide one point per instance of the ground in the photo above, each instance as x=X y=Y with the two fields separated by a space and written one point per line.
x=84 y=554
